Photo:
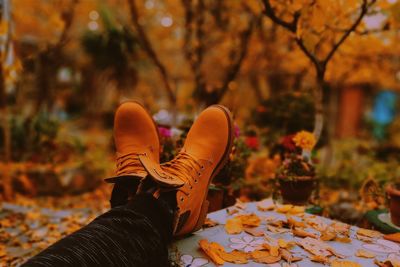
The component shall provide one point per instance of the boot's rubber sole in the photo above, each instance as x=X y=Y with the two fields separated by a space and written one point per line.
x=220 y=165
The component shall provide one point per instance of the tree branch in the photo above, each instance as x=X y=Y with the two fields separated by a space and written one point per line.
x=148 y=48
x=67 y=17
x=364 y=10
x=269 y=12
x=235 y=66
x=310 y=55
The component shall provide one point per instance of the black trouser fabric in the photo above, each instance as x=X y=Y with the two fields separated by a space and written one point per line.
x=136 y=234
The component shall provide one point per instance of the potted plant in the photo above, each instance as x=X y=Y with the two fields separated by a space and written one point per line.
x=296 y=175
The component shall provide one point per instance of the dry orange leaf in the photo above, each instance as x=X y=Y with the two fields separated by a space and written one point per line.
x=341 y=228
x=278 y=223
x=302 y=233
x=319 y=258
x=343 y=239
x=250 y=220
x=273 y=250
x=219 y=256
x=262 y=256
x=284 y=208
x=315 y=247
x=254 y=232
x=234 y=226
x=364 y=238
x=382 y=264
x=284 y=244
x=297 y=210
x=276 y=230
x=287 y=256
x=211 y=249
x=236 y=256
x=368 y=233
x=393 y=237
x=337 y=263
x=365 y=254
x=327 y=236
x=294 y=223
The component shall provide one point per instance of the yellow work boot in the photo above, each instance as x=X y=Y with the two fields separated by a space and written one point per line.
x=206 y=150
x=135 y=135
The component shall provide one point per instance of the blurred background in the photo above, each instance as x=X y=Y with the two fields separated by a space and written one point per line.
x=331 y=68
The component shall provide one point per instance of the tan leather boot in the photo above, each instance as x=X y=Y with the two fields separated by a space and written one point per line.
x=206 y=150
x=136 y=135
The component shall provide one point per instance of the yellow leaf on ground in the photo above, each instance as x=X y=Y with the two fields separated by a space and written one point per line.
x=284 y=244
x=301 y=233
x=365 y=254
x=250 y=220
x=212 y=251
x=327 y=236
x=368 y=233
x=276 y=230
x=262 y=256
x=273 y=250
x=319 y=258
x=297 y=210
x=284 y=208
x=287 y=256
x=337 y=263
x=254 y=232
x=393 y=237
x=343 y=239
x=234 y=226
x=294 y=223
x=236 y=256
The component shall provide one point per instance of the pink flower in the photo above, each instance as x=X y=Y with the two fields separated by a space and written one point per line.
x=252 y=142
x=165 y=132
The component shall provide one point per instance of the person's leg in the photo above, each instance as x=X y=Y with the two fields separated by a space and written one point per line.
x=123 y=191
x=136 y=234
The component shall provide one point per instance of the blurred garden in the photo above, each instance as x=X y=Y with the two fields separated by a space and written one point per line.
x=313 y=86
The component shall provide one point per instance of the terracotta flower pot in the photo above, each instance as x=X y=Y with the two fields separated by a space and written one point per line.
x=297 y=191
x=393 y=195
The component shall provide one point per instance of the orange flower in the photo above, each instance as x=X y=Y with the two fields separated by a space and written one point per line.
x=304 y=140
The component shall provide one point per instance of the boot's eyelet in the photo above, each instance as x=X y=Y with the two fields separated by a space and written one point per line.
x=191 y=187
x=145 y=153
x=182 y=199
x=195 y=181
x=202 y=167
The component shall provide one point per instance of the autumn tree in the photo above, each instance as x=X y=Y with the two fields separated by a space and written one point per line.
x=232 y=25
x=45 y=27
x=319 y=28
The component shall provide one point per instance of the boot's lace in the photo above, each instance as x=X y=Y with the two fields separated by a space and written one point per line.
x=129 y=163
x=185 y=167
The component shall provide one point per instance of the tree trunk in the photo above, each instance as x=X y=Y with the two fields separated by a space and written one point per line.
x=319 y=106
